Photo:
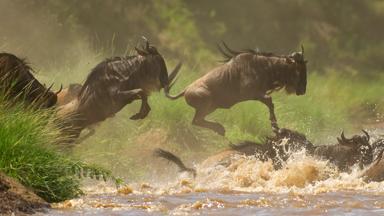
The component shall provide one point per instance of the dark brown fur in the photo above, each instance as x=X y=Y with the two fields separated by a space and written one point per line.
x=247 y=75
x=278 y=148
x=114 y=83
x=347 y=152
x=17 y=81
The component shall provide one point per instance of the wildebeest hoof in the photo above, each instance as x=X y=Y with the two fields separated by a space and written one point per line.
x=138 y=116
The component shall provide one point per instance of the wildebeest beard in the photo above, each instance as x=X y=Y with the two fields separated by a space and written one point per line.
x=17 y=82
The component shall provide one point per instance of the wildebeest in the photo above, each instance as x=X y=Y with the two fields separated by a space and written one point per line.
x=68 y=94
x=375 y=172
x=116 y=82
x=377 y=146
x=347 y=152
x=17 y=82
x=246 y=75
x=278 y=148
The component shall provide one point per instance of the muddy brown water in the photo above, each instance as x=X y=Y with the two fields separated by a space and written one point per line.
x=305 y=186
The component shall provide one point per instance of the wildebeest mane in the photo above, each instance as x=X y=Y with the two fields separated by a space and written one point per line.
x=117 y=61
x=97 y=76
x=115 y=71
x=17 y=80
x=229 y=53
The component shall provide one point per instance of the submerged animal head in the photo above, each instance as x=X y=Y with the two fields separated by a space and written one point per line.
x=298 y=80
x=360 y=143
x=150 y=52
x=17 y=81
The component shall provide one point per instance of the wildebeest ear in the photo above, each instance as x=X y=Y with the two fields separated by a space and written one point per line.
x=141 y=52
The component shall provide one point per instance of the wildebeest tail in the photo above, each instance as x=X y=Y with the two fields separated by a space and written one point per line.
x=172 y=77
x=171 y=157
x=173 y=97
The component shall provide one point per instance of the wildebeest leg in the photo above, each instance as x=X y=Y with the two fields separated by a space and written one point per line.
x=199 y=120
x=267 y=100
x=131 y=95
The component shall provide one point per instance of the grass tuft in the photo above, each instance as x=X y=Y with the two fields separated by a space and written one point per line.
x=28 y=152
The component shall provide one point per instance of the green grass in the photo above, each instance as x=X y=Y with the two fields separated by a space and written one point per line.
x=28 y=152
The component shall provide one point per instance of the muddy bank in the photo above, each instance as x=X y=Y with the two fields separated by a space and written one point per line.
x=15 y=198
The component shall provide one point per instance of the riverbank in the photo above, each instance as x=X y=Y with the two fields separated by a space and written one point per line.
x=17 y=199
x=34 y=170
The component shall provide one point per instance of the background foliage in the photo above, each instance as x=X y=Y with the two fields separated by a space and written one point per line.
x=343 y=42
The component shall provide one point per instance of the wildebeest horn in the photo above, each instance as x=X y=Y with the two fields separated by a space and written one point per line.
x=48 y=89
x=229 y=49
x=146 y=42
x=61 y=88
x=343 y=137
x=223 y=52
x=174 y=73
x=366 y=134
x=302 y=49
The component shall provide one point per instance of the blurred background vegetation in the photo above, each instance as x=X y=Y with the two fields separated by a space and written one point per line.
x=343 y=40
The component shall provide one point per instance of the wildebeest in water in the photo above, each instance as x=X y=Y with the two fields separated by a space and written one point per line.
x=116 y=82
x=246 y=75
x=17 y=82
x=347 y=152
x=344 y=155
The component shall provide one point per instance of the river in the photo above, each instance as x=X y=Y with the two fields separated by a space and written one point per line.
x=305 y=186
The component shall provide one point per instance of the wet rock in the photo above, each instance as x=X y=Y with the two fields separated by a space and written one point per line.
x=15 y=198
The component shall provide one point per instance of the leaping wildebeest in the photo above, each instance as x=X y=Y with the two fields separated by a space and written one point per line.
x=246 y=75
x=18 y=83
x=114 y=83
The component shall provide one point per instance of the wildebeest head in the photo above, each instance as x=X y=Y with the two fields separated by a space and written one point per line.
x=16 y=80
x=300 y=78
x=149 y=51
x=361 y=144
x=292 y=140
